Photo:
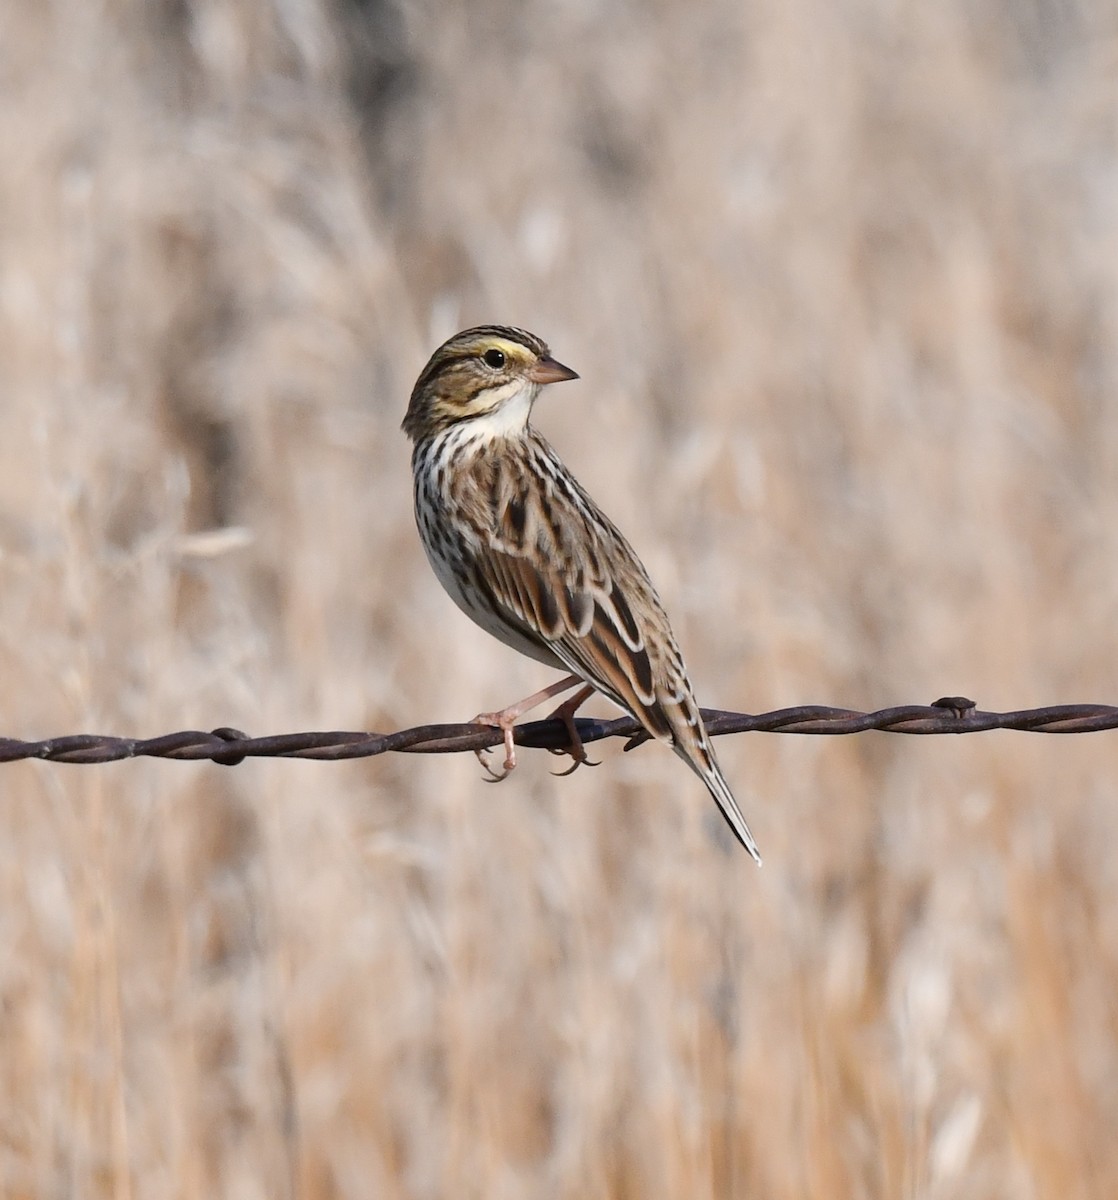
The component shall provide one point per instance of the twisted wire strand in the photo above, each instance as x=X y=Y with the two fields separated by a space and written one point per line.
x=950 y=714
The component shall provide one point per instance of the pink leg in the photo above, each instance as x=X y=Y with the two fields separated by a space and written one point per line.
x=507 y=718
x=565 y=713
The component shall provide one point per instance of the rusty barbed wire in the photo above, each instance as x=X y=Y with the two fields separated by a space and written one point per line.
x=950 y=714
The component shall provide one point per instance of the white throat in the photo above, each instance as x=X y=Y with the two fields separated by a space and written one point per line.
x=510 y=417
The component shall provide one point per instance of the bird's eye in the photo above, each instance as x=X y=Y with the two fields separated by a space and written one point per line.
x=494 y=358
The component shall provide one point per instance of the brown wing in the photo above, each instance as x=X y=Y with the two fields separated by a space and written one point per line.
x=591 y=631
x=565 y=576
x=559 y=574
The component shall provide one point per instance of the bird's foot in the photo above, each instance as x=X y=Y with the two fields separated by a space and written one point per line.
x=566 y=713
x=505 y=723
x=506 y=719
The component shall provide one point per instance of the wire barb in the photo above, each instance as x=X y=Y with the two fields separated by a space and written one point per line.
x=950 y=714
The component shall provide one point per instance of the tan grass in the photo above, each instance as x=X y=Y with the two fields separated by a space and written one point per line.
x=842 y=284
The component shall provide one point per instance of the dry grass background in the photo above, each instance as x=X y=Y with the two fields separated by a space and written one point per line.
x=842 y=284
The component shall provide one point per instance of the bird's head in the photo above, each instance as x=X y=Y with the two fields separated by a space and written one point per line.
x=490 y=375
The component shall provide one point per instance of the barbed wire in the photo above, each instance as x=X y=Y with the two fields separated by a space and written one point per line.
x=949 y=714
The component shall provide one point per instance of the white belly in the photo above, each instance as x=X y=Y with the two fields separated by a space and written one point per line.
x=474 y=607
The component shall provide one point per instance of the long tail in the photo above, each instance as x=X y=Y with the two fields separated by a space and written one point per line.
x=686 y=734
x=701 y=760
x=668 y=711
x=674 y=718
x=689 y=739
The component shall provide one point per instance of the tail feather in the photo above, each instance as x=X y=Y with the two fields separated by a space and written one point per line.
x=689 y=739
x=716 y=783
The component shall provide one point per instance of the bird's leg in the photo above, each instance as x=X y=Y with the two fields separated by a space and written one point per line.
x=507 y=718
x=566 y=713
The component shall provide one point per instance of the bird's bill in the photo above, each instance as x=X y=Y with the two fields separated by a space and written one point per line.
x=547 y=370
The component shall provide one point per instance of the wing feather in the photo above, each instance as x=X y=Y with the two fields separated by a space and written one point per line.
x=558 y=575
x=568 y=578
x=528 y=555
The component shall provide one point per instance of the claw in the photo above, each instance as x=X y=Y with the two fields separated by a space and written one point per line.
x=566 y=713
x=491 y=776
x=501 y=722
x=505 y=721
x=578 y=762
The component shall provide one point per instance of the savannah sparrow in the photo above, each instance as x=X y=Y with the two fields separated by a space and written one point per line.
x=525 y=552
